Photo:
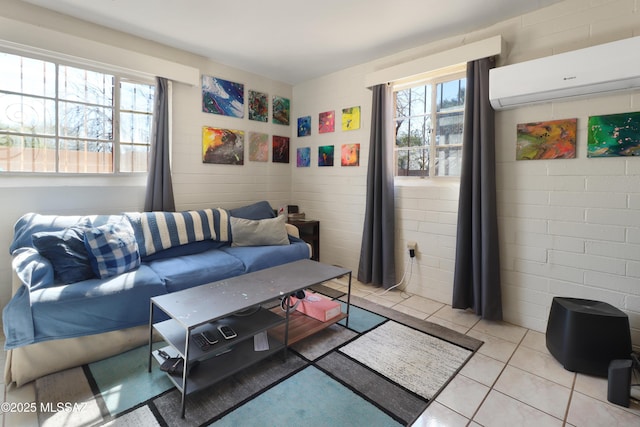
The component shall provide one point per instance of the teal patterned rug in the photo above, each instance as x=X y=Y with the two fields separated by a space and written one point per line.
x=383 y=370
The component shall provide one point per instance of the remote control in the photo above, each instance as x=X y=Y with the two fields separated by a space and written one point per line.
x=200 y=342
x=210 y=337
x=227 y=332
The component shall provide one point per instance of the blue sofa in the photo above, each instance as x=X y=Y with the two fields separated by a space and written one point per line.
x=109 y=294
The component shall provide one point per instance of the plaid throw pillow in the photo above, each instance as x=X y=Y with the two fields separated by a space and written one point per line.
x=112 y=249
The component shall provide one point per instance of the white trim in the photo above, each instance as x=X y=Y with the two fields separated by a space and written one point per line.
x=463 y=54
x=22 y=37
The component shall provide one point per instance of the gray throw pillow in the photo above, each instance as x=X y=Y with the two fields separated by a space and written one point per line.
x=264 y=232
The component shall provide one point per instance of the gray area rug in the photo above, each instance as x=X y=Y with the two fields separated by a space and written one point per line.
x=382 y=370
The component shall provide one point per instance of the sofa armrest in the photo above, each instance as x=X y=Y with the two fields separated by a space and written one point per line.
x=292 y=230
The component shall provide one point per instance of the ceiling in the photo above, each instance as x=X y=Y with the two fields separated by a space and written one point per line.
x=293 y=40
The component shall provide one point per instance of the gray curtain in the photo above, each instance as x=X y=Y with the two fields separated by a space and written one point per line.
x=477 y=266
x=159 y=195
x=377 y=253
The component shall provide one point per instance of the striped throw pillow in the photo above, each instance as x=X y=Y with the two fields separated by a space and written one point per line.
x=156 y=231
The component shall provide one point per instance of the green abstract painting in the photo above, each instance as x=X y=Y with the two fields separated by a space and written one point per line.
x=614 y=135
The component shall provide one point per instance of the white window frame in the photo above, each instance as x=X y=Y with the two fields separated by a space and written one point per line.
x=433 y=78
x=119 y=75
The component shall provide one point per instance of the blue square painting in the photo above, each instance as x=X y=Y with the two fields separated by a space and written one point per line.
x=222 y=97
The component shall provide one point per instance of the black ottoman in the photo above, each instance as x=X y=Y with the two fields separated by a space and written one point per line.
x=586 y=335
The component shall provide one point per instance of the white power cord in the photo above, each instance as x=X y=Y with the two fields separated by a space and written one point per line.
x=410 y=265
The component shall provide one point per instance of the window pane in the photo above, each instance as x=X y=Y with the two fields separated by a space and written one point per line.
x=79 y=156
x=136 y=97
x=451 y=94
x=134 y=158
x=402 y=99
x=419 y=132
x=84 y=121
x=419 y=101
x=27 y=154
x=413 y=132
x=412 y=162
x=418 y=162
x=26 y=75
x=449 y=161
x=135 y=127
x=449 y=129
x=85 y=86
x=402 y=163
x=26 y=114
x=402 y=133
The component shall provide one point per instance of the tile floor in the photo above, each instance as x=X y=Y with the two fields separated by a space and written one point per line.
x=511 y=381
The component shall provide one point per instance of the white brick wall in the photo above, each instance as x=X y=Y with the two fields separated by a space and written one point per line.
x=587 y=208
x=567 y=227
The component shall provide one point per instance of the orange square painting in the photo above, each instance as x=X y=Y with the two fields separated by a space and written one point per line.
x=350 y=155
x=547 y=140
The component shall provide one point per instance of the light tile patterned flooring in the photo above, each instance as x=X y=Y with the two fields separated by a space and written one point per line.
x=511 y=381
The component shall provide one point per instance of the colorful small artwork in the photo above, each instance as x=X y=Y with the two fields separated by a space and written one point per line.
x=554 y=139
x=304 y=126
x=325 y=155
x=303 y=158
x=258 y=147
x=327 y=122
x=222 y=146
x=614 y=135
x=258 y=106
x=281 y=109
x=350 y=155
x=280 y=149
x=351 y=118
x=222 y=97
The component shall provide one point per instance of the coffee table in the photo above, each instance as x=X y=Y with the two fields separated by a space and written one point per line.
x=236 y=302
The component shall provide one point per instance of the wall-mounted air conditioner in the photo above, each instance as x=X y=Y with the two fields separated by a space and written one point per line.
x=595 y=70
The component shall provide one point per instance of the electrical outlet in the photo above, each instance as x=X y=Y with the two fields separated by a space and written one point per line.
x=411 y=245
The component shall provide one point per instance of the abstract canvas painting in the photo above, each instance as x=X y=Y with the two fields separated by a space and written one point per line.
x=303 y=158
x=554 y=139
x=327 y=122
x=222 y=146
x=325 y=155
x=222 y=97
x=280 y=149
x=350 y=155
x=304 y=126
x=614 y=135
x=351 y=118
x=258 y=147
x=281 y=110
x=258 y=106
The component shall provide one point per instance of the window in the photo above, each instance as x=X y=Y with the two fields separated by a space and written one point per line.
x=428 y=121
x=57 y=118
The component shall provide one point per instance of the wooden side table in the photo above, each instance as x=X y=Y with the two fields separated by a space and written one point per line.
x=310 y=233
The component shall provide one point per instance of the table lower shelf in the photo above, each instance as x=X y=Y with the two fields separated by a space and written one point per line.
x=301 y=326
x=217 y=368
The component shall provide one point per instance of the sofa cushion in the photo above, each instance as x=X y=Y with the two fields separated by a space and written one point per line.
x=31 y=223
x=188 y=249
x=187 y=271
x=259 y=210
x=95 y=305
x=112 y=249
x=257 y=258
x=67 y=253
x=33 y=269
x=264 y=232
